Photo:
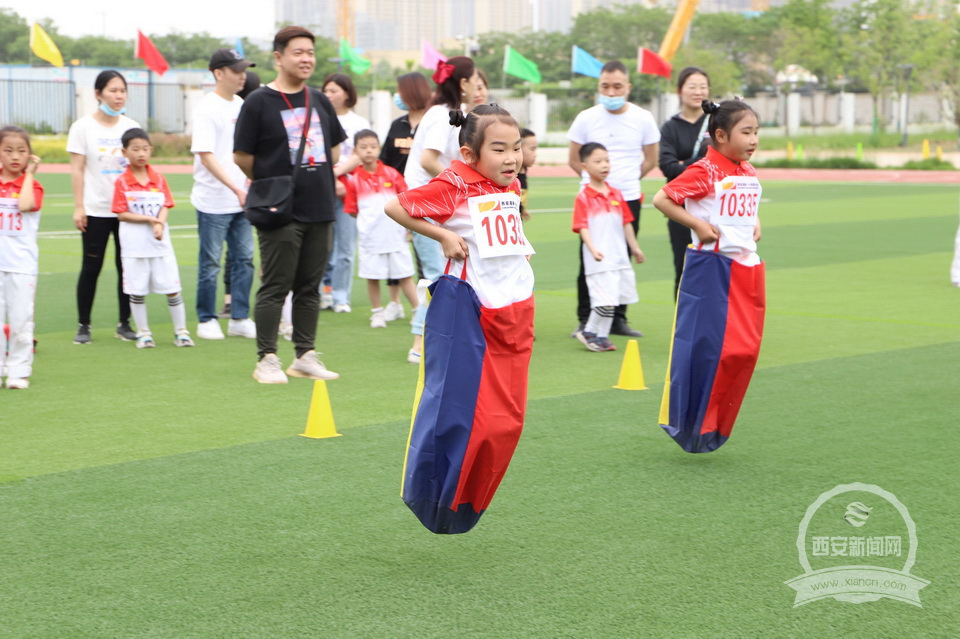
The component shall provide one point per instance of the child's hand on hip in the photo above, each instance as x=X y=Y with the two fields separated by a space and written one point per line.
x=707 y=232
x=597 y=255
x=454 y=246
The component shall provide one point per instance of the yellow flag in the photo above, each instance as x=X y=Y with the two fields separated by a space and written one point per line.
x=43 y=46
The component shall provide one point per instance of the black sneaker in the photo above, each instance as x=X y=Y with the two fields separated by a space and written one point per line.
x=580 y=327
x=126 y=333
x=83 y=334
x=620 y=327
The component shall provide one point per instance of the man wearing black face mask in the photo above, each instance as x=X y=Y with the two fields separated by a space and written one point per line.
x=632 y=139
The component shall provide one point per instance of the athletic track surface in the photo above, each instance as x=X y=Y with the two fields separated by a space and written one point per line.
x=794 y=175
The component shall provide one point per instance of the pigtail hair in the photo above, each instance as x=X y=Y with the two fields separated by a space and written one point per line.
x=709 y=107
x=457 y=117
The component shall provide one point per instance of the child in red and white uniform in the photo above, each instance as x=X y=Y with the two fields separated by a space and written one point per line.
x=142 y=200
x=21 y=197
x=717 y=197
x=603 y=220
x=384 y=251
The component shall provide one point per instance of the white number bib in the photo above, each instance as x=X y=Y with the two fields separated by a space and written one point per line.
x=11 y=219
x=145 y=202
x=497 y=225
x=737 y=201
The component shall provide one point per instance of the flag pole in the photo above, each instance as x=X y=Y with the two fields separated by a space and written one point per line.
x=149 y=97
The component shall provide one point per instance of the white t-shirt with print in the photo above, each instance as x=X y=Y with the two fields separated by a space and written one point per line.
x=214 y=121
x=104 y=161
x=624 y=135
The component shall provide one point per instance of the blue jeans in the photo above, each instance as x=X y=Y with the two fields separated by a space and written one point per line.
x=214 y=229
x=340 y=268
x=432 y=262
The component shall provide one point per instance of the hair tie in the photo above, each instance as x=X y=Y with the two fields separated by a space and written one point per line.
x=709 y=107
x=443 y=72
x=457 y=117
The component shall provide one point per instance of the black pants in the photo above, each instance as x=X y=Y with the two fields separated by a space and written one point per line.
x=95 y=240
x=583 y=293
x=679 y=240
x=293 y=258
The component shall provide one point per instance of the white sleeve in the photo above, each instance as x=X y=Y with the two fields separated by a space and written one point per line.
x=578 y=130
x=437 y=134
x=77 y=138
x=204 y=132
x=651 y=131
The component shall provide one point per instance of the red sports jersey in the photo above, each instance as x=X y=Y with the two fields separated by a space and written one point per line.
x=129 y=196
x=18 y=230
x=367 y=193
x=604 y=215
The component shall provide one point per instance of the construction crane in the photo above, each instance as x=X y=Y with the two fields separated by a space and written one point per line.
x=345 y=24
x=678 y=27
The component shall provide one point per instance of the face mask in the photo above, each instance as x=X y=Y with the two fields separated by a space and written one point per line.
x=111 y=112
x=397 y=102
x=612 y=103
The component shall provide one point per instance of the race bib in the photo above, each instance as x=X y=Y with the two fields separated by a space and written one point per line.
x=11 y=219
x=737 y=200
x=497 y=225
x=146 y=203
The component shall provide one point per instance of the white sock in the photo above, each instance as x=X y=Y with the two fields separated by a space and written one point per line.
x=138 y=308
x=600 y=321
x=178 y=313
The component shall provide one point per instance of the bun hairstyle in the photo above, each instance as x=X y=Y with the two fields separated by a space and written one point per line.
x=448 y=91
x=472 y=125
x=725 y=115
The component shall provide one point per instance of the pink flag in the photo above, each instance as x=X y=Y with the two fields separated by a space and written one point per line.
x=650 y=63
x=430 y=57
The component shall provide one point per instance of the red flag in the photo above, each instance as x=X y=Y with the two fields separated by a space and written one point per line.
x=150 y=55
x=650 y=63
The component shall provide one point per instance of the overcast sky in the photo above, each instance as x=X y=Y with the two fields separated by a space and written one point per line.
x=119 y=19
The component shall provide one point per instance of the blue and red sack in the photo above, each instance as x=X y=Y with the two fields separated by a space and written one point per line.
x=470 y=405
x=716 y=341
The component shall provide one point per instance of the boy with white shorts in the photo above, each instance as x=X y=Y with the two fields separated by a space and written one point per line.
x=142 y=200
x=384 y=250
x=603 y=220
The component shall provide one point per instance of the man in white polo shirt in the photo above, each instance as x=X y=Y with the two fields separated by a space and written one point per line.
x=632 y=139
x=219 y=193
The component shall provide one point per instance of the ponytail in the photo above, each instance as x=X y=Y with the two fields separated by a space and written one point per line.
x=472 y=125
x=725 y=115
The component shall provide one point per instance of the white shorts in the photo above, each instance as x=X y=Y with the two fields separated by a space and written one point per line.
x=382 y=266
x=144 y=275
x=612 y=288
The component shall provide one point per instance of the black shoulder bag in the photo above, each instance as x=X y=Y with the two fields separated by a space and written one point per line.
x=270 y=200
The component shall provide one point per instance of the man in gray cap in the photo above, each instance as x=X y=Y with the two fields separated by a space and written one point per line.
x=219 y=193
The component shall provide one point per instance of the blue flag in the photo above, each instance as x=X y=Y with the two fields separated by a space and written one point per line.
x=585 y=64
x=238 y=47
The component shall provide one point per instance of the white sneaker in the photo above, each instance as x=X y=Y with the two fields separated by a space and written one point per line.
x=269 y=370
x=210 y=330
x=18 y=383
x=309 y=365
x=326 y=301
x=342 y=308
x=286 y=331
x=242 y=328
x=393 y=311
x=413 y=356
x=378 y=319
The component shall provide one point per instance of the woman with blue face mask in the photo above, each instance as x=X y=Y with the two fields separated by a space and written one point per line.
x=413 y=93
x=96 y=160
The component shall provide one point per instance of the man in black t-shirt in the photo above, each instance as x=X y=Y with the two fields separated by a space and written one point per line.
x=293 y=257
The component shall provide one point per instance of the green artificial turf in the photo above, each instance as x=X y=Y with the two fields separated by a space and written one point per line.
x=164 y=493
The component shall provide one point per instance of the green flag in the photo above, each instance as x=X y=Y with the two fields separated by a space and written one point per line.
x=358 y=64
x=518 y=66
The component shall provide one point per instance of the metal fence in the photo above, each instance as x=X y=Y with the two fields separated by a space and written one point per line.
x=167 y=114
x=40 y=106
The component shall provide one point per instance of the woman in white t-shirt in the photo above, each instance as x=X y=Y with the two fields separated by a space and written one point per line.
x=339 y=88
x=96 y=160
x=435 y=145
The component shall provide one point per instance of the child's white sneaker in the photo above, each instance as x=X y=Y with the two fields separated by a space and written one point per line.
x=378 y=319
x=269 y=370
x=413 y=356
x=341 y=308
x=242 y=328
x=393 y=311
x=145 y=341
x=309 y=365
x=286 y=330
x=210 y=330
x=183 y=339
x=18 y=383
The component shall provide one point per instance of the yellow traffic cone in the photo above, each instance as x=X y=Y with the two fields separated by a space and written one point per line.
x=925 y=150
x=631 y=371
x=320 y=419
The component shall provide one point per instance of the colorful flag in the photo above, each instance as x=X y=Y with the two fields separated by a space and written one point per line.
x=43 y=47
x=348 y=55
x=520 y=67
x=238 y=47
x=652 y=64
x=430 y=57
x=585 y=64
x=716 y=341
x=151 y=57
x=470 y=405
